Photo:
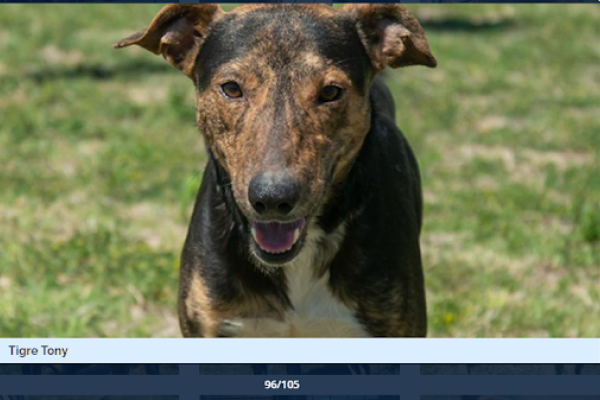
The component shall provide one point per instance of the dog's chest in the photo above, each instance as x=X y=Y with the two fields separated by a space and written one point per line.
x=317 y=311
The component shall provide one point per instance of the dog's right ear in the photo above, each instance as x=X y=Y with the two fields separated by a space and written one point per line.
x=176 y=32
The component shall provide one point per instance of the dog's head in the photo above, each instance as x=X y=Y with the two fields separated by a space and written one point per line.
x=282 y=93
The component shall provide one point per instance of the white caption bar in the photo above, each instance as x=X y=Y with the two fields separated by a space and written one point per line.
x=310 y=351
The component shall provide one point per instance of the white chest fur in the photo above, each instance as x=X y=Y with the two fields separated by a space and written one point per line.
x=316 y=312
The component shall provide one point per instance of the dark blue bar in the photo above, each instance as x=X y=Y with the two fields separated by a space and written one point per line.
x=189 y=384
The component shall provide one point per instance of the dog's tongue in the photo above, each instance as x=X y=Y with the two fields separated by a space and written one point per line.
x=274 y=237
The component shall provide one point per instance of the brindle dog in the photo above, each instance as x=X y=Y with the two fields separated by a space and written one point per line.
x=308 y=218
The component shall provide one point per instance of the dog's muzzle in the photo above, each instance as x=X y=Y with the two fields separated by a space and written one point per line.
x=277 y=242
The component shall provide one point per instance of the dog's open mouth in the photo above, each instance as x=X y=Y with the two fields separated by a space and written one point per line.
x=277 y=242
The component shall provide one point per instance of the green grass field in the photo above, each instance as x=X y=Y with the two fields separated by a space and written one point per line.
x=100 y=160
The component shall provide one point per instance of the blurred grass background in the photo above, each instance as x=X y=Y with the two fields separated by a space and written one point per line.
x=100 y=160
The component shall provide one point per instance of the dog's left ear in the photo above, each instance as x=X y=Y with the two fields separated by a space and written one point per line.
x=392 y=36
x=176 y=32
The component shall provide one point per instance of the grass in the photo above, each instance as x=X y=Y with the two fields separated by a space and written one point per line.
x=100 y=160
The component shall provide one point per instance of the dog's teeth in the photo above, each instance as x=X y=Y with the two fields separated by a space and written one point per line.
x=296 y=237
x=279 y=251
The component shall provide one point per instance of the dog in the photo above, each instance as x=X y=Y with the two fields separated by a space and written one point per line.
x=308 y=218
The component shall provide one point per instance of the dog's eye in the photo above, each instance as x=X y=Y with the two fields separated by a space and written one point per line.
x=231 y=90
x=330 y=93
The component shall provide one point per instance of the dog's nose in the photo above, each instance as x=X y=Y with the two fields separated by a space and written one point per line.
x=273 y=193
